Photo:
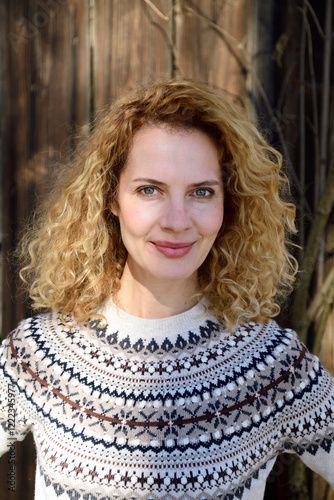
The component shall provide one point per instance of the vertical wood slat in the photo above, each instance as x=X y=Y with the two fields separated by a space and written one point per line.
x=207 y=34
x=130 y=46
x=47 y=92
x=46 y=88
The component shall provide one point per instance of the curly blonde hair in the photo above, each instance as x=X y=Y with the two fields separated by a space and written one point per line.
x=75 y=251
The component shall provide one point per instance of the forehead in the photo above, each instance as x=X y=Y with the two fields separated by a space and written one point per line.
x=162 y=142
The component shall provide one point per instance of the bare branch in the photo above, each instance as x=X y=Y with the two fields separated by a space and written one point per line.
x=314 y=98
x=282 y=140
x=325 y=92
x=232 y=43
x=158 y=12
x=285 y=85
x=325 y=100
x=169 y=40
x=316 y=20
x=321 y=327
x=302 y=123
x=322 y=214
x=319 y=298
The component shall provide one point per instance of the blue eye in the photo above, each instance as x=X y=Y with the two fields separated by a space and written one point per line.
x=149 y=190
x=202 y=192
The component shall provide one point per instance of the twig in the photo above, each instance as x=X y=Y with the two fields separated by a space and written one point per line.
x=169 y=40
x=314 y=101
x=321 y=328
x=316 y=20
x=302 y=128
x=310 y=255
x=325 y=93
x=158 y=12
x=230 y=41
x=280 y=134
x=324 y=118
x=319 y=297
x=285 y=85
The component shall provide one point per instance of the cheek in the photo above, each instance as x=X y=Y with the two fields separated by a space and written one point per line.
x=135 y=220
x=212 y=222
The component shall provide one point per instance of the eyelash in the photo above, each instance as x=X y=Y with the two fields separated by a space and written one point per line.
x=209 y=191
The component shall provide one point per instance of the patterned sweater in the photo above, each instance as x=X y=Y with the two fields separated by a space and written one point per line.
x=163 y=409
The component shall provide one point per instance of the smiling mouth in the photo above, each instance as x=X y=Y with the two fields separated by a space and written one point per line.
x=173 y=250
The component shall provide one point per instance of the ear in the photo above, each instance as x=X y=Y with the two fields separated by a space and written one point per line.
x=114 y=207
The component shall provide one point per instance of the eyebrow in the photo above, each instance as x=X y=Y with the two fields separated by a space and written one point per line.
x=207 y=182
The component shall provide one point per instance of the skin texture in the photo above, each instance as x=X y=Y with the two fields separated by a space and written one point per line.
x=170 y=206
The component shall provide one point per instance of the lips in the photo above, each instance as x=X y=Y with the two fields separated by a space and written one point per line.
x=173 y=249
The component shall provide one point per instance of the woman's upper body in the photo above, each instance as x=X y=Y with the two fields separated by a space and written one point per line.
x=130 y=389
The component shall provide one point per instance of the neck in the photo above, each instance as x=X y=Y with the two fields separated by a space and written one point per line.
x=154 y=300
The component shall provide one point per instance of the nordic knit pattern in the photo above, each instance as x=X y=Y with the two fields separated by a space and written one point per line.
x=164 y=409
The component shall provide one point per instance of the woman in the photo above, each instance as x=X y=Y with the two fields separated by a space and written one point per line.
x=157 y=370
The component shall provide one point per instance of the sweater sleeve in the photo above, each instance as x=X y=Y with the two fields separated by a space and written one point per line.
x=15 y=421
x=308 y=426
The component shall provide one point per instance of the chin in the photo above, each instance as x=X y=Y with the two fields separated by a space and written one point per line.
x=169 y=276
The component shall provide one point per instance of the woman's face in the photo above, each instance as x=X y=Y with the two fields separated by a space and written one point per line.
x=170 y=203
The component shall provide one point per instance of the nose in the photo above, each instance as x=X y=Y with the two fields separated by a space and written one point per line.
x=176 y=216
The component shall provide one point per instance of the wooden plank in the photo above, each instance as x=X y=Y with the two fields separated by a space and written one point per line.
x=130 y=44
x=47 y=86
x=207 y=34
x=46 y=95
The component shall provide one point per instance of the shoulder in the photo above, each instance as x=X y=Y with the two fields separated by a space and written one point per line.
x=294 y=371
x=27 y=327
x=20 y=342
x=278 y=355
x=283 y=341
